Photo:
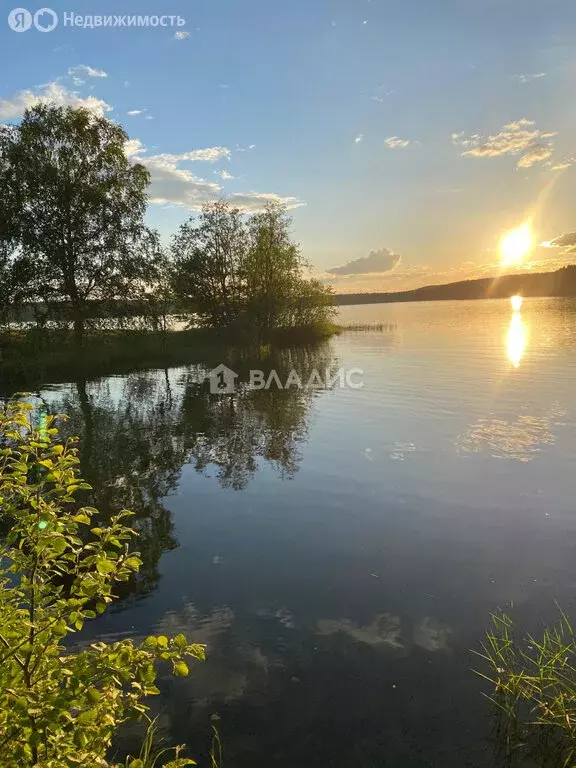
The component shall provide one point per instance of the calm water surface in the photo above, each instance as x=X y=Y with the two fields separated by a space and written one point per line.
x=339 y=551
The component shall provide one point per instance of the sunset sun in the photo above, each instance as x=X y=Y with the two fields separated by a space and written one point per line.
x=516 y=245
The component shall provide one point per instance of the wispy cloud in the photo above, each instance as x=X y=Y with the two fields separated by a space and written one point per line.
x=535 y=154
x=359 y=139
x=516 y=138
x=173 y=185
x=395 y=142
x=82 y=70
x=135 y=112
x=529 y=77
x=181 y=35
x=225 y=175
x=206 y=155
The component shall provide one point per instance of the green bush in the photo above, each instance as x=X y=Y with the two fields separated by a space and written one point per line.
x=58 y=566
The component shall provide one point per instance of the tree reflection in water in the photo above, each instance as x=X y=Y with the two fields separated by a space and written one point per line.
x=138 y=431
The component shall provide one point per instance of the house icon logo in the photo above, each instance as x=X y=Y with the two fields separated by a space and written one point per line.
x=222 y=380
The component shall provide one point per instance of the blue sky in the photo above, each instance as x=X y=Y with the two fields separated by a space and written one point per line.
x=419 y=130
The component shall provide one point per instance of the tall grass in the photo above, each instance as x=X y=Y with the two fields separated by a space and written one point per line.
x=534 y=690
x=153 y=755
x=367 y=327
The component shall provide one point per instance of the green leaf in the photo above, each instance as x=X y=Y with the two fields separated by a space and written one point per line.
x=58 y=545
x=88 y=717
x=180 y=641
x=105 y=566
x=181 y=669
x=94 y=695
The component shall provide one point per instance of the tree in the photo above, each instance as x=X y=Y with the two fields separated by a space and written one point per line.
x=76 y=209
x=271 y=269
x=312 y=305
x=248 y=273
x=159 y=303
x=278 y=295
x=59 y=566
x=208 y=256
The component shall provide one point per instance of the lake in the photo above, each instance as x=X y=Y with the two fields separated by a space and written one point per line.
x=339 y=551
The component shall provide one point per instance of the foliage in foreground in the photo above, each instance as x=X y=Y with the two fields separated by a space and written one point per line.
x=58 y=569
x=534 y=690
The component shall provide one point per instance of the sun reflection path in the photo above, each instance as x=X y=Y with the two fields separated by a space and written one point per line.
x=517 y=337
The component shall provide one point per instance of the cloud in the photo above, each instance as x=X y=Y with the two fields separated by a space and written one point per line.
x=177 y=186
x=86 y=71
x=516 y=138
x=382 y=93
x=224 y=175
x=461 y=140
x=207 y=155
x=562 y=241
x=561 y=165
x=359 y=139
x=251 y=202
x=134 y=112
x=528 y=78
x=170 y=183
x=535 y=154
x=54 y=93
x=173 y=185
x=394 y=142
x=181 y=35
x=133 y=147
x=382 y=260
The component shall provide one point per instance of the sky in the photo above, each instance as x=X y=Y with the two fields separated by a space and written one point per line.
x=405 y=137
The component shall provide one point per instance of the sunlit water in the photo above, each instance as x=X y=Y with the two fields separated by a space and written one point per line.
x=339 y=551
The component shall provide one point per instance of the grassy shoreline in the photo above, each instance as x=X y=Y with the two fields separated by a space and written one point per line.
x=35 y=360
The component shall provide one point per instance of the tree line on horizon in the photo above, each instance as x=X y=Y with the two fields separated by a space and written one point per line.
x=75 y=252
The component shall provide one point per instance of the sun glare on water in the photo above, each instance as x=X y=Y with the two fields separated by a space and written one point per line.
x=516 y=244
x=516 y=302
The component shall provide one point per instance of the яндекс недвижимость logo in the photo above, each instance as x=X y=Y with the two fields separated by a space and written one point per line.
x=45 y=20
x=21 y=19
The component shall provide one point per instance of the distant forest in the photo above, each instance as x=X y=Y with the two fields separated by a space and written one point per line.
x=559 y=283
